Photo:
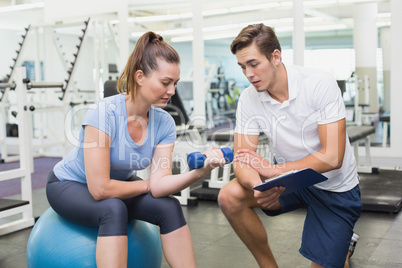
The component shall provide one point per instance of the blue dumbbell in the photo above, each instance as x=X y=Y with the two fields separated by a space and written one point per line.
x=196 y=160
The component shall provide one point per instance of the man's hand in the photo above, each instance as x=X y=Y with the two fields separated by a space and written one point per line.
x=256 y=161
x=269 y=199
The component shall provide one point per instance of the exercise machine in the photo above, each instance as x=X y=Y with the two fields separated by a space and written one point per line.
x=23 y=206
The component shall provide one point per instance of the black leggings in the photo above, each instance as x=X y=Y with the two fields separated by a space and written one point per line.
x=73 y=201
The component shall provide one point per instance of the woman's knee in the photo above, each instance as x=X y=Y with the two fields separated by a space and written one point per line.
x=170 y=214
x=113 y=208
x=113 y=217
x=169 y=207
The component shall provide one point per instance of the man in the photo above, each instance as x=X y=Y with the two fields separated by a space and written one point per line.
x=302 y=113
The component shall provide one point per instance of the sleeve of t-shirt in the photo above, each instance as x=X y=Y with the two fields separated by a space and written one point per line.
x=168 y=129
x=99 y=115
x=246 y=119
x=328 y=103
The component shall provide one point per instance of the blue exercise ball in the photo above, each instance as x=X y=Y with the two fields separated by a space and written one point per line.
x=57 y=242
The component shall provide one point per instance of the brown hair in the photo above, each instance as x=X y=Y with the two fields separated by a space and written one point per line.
x=148 y=49
x=263 y=36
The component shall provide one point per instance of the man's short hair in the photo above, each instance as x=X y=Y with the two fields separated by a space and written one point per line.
x=263 y=36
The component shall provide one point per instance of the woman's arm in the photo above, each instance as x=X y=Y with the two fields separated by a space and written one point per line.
x=97 y=169
x=163 y=183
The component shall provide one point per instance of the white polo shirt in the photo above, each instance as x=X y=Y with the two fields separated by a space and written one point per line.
x=292 y=126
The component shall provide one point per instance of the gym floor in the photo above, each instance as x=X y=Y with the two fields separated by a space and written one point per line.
x=216 y=244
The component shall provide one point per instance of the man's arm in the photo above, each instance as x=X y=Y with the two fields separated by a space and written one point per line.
x=333 y=140
x=249 y=177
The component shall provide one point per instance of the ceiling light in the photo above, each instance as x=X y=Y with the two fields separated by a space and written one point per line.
x=384 y=15
x=269 y=22
x=220 y=28
x=253 y=7
x=214 y=12
x=286 y=20
x=137 y=34
x=187 y=15
x=220 y=36
x=157 y=18
x=206 y=37
x=287 y=3
x=383 y=23
x=177 y=31
x=182 y=39
x=313 y=19
x=13 y=8
x=282 y=29
x=319 y=2
x=325 y=27
x=351 y=1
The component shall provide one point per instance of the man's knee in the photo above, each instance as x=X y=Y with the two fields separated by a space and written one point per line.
x=231 y=195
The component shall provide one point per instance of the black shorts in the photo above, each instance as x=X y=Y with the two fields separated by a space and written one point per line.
x=329 y=223
x=73 y=201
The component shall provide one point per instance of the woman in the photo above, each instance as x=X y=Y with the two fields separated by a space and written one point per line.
x=94 y=184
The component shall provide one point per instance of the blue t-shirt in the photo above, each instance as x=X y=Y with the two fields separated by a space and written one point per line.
x=110 y=116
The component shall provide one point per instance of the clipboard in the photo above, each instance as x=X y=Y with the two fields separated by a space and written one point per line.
x=292 y=180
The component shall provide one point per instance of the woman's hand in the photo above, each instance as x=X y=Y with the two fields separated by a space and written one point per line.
x=256 y=161
x=215 y=158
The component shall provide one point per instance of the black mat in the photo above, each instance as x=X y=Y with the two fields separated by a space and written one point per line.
x=382 y=192
x=203 y=192
x=6 y=204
